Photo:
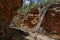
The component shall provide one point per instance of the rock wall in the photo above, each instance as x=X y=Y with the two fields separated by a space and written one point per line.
x=51 y=22
x=8 y=9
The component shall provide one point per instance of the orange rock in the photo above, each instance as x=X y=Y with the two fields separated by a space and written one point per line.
x=8 y=9
x=51 y=22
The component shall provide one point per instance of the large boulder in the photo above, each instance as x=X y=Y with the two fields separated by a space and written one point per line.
x=8 y=9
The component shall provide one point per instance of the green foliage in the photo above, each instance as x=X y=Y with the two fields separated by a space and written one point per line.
x=26 y=8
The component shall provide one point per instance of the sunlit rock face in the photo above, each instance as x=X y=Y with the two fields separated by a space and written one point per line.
x=27 y=23
x=51 y=22
x=33 y=18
